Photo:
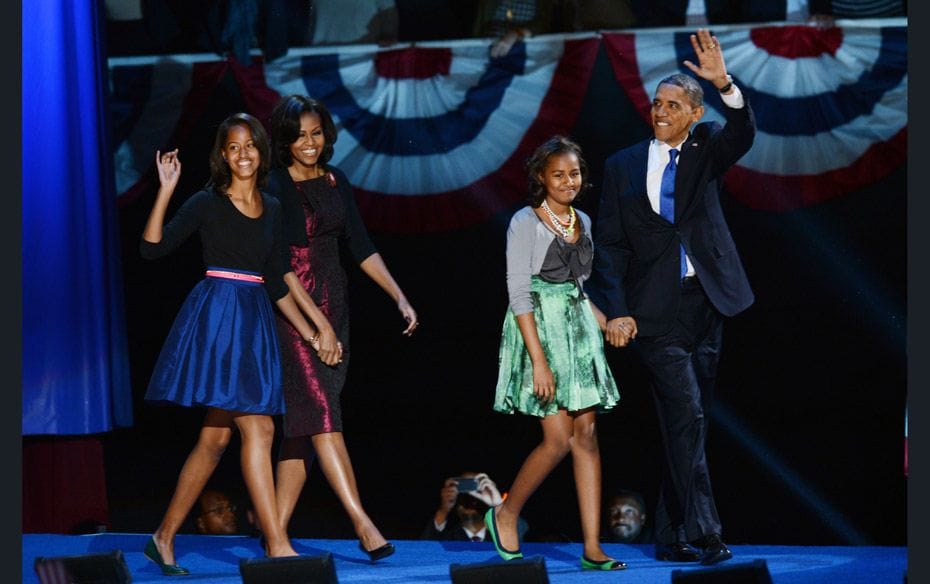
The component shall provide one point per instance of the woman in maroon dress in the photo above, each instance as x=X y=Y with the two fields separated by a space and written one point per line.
x=320 y=217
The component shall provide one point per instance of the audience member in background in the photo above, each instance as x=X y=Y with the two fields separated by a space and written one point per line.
x=510 y=21
x=627 y=519
x=703 y=12
x=321 y=223
x=463 y=502
x=341 y=22
x=602 y=14
x=217 y=514
x=235 y=27
x=823 y=13
x=127 y=29
x=551 y=358
x=429 y=20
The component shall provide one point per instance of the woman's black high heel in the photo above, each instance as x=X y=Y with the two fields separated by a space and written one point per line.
x=378 y=553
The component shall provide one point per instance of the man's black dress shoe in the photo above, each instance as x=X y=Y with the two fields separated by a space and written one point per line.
x=676 y=552
x=715 y=551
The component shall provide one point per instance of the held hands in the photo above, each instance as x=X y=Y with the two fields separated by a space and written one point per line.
x=169 y=169
x=620 y=331
x=710 y=58
x=599 y=316
x=328 y=347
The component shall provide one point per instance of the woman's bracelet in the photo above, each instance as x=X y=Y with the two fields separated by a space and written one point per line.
x=314 y=338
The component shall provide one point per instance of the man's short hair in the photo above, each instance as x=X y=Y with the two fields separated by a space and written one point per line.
x=633 y=496
x=692 y=88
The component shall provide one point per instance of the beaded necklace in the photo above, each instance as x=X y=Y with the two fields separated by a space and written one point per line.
x=566 y=228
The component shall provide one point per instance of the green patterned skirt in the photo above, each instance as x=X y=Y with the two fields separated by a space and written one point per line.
x=574 y=346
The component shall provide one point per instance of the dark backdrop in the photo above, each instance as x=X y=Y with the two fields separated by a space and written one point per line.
x=805 y=448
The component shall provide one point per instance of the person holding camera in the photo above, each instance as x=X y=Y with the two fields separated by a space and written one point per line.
x=463 y=501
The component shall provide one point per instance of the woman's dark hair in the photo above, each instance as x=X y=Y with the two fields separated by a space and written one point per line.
x=536 y=165
x=220 y=175
x=285 y=127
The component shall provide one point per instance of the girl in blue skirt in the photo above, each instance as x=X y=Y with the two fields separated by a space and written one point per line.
x=222 y=351
x=551 y=362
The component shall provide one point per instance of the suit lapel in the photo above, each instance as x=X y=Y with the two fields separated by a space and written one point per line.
x=684 y=194
x=638 y=167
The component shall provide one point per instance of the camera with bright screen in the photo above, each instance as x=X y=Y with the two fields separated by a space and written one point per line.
x=466 y=484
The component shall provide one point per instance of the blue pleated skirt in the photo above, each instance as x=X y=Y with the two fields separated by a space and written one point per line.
x=222 y=350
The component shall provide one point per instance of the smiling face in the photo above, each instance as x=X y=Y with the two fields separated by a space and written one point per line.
x=673 y=114
x=561 y=179
x=308 y=146
x=241 y=153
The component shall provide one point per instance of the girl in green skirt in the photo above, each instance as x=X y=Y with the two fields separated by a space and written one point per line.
x=551 y=362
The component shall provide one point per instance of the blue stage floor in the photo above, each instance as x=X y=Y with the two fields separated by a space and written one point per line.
x=216 y=559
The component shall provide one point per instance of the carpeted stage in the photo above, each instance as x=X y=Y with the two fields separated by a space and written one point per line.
x=216 y=559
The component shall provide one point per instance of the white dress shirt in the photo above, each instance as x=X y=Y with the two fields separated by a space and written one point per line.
x=658 y=160
x=471 y=534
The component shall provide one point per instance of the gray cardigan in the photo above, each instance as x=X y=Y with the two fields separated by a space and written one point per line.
x=528 y=240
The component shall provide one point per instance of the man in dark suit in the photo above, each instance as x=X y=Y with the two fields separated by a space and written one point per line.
x=666 y=272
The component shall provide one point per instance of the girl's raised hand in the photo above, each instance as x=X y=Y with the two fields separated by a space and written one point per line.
x=169 y=168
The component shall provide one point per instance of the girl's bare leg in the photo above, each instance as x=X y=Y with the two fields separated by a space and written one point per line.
x=586 y=463
x=556 y=443
x=200 y=464
x=257 y=435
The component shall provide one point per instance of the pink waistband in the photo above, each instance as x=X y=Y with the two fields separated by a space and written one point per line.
x=235 y=276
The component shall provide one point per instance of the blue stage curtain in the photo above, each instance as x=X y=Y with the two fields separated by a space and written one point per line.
x=75 y=354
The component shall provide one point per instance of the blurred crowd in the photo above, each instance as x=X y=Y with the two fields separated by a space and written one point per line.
x=224 y=27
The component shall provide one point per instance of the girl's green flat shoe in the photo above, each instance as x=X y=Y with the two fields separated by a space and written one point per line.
x=491 y=524
x=607 y=564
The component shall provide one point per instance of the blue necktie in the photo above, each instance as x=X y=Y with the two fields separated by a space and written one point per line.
x=667 y=200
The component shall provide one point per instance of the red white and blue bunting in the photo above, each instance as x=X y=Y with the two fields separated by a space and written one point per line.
x=434 y=136
x=437 y=136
